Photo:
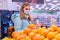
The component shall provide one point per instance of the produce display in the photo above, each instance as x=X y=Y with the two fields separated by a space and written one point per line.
x=32 y=33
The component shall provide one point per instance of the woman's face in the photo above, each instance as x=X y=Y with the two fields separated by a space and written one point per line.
x=27 y=8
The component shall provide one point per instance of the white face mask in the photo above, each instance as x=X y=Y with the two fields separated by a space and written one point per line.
x=26 y=11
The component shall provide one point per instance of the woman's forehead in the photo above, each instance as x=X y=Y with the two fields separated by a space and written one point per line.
x=28 y=6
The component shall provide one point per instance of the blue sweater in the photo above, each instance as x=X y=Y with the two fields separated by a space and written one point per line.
x=19 y=24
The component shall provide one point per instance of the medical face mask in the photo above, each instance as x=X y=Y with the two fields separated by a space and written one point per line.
x=26 y=11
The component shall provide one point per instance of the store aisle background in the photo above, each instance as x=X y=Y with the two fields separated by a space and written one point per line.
x=48 y=5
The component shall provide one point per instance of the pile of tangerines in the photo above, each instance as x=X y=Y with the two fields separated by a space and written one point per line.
x=29 y=33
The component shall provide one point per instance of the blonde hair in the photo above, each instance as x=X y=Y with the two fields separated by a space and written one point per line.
x=22 y=15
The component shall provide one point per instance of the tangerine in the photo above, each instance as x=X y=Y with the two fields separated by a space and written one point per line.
x=27 y=30
x=50 y=35
x=31 y=26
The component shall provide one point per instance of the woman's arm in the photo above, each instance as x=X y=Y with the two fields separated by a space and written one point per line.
x=17 y=22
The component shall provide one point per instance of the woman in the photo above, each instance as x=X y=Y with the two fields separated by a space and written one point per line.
x=21 y=19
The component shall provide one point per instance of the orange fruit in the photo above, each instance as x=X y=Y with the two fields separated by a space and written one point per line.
x=42 y=37
x=22 y=36
x=34 y=30
x=22 y=39
x=18 y=37
x=15 y=34
x=58 y=29
x=56 y=32
x=54 y=27
x=50 y=30
x=6 y=38
x=27 y=38
x=50 y=35
x=45 y=39
x=57 y=37
x=12 y=39
x=21 y=32
x=31 y=34
x=39 y=30
x=37 y=37
x=31 y=26
x=53 y=39
x=44 y=28
x=44 y=32
x=27 y=30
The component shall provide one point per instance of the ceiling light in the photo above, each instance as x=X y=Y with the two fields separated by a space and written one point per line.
x=50 y=4
x=42 y=6
x=17 y=5
x=56 y=8
x=32 y=7
x=52 y=7
x=37 y=6
x=46 y=8
x=58 y=4
x=48 y=0
x=55 y=1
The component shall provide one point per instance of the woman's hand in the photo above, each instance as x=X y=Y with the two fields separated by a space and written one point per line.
x=26 y=16
x=29 y=18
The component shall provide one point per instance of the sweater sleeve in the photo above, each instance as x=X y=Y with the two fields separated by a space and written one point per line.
x=17 y=22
